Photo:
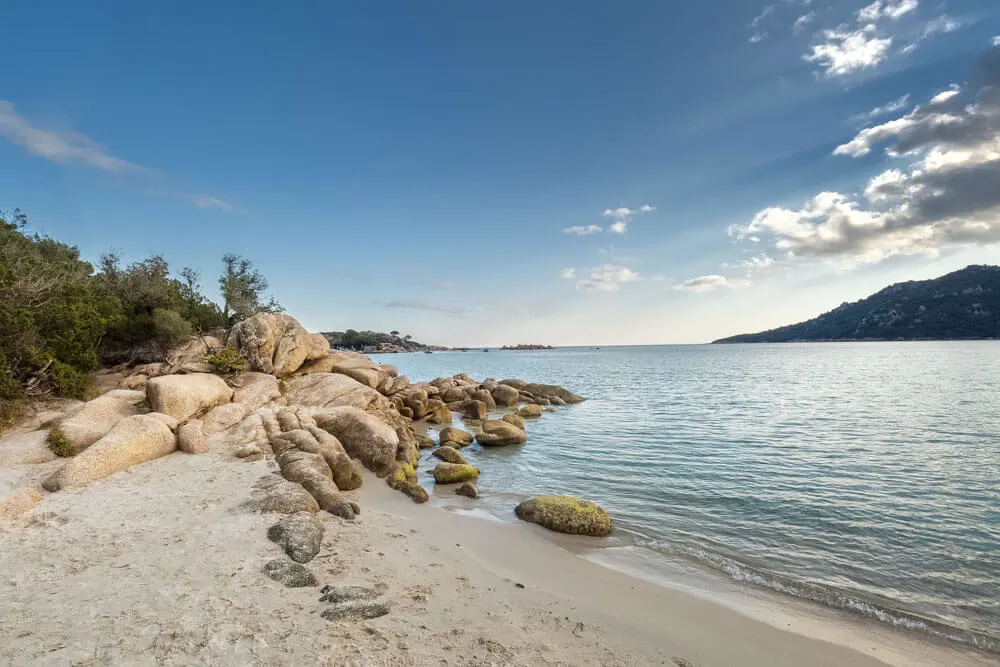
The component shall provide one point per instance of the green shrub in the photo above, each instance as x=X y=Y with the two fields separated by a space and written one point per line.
x=227 y=362
x=68 y=381
x=59 y=444
x=170 y=327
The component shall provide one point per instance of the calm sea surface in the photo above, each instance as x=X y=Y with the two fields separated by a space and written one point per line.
x=860 y=475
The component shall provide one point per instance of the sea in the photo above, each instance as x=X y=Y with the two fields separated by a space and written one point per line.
x=860 y=476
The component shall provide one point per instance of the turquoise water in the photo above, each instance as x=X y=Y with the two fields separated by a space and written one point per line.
x=860 y=475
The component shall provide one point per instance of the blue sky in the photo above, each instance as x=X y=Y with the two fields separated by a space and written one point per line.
x=487 y=173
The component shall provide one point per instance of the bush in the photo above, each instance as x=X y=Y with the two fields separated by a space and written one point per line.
x=170 y=327
x=59 y=444
x=227 y=362
x=68 y=381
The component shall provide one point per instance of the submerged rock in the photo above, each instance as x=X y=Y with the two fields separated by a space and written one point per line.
x=292 y=575
x=299 y=534
x=566 y=514
x=455 y=473
x=531 y=411
x=467 y=489
x=497 y=433
x=473 y=409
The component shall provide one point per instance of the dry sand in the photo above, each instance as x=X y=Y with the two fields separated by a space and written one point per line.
x=158 y=566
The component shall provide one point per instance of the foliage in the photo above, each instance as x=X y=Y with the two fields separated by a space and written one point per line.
x=357 y=340
x=243 y=288
x=170 y=327
x=58 y=443
x=227 y=362
x=963 y=304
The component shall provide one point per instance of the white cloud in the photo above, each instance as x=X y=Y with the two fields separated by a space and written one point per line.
x=423 y=305
x=607 y=278
x=567 y=274
x=59 y=147
x=623 y=215
x=583 y=231
x=946 y=95
x=941 y=24
x=757 y=37
x=846 y=51
x=888 y=108
x=996 y=41
x=887 y=9
x=764 y=15
x=946 y=196
x=709 y=283
x=803 y=21
x=619 y=227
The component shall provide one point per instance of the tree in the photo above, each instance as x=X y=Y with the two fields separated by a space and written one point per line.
x=243 y=288
x=393 y=333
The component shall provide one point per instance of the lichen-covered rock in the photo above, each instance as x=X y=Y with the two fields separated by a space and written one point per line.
x=530 y=411
x=438 y=412
x=337 y=594
x=363 y=436
x=18 y=502
x=275 y=344
x=191 y=438
x=355 y=611
x=449 y=454
x=312 y=472
x=467 y=489
x=514 y=419
x=346 y=473
x=272 y=494
x=424 y=441
x=505 y=395
x=292 y=575
x=566 y=514
x=131 y=441
x=497 y=433
x=91 y=421
x=223 y=417
x=331 y=390
x=182 y=396
x=473 y=409
x=255 y=390
x=299 y=534
x=455 y=437
x=455 y=473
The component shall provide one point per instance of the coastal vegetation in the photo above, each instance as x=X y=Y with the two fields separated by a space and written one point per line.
x=526 y=346
x=374 y=341
x=961 y=305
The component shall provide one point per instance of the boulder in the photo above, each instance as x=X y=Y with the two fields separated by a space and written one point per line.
x=292 y=575
x=134 y=382
x=91 y=421
x=18 y=502
x=275 y=344
x=345 y=472
x=550 y=390
x=365 y=371
x=249 y=452
x=299 y=534
x=530 y=411
x=224 y=417
x=363 y=436
x=424 y=441
x=555 y=400
x=449 y=454
x=399 y=384
x=312 y=472
x=331 y=390
x=498 y=433
x=131 y=441
x=182 y=396
x=467 y=489
x=26 y=449
x=505 y=395
x=255 y=390
x=274 y=494
x=486 y=397
x=189 y=357
x=319 y=348
x=455 y=473
x=191 y=438
x=454 y=394
x=438 y=412
x=389 y=369
x=455 y=437
x=413 y=491
x=516 y=384
x=514 y=419
x=323 y=364
x=566 y=514
x=473 y=409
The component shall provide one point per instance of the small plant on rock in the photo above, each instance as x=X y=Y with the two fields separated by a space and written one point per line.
x=227 y=362
x=58 y=443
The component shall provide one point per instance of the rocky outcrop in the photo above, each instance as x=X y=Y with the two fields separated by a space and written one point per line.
x=497 y=433
x=272 y=494
x=486 y=397
x=449 y=454
x=131 y=441
x=190 y=357
x=275 y=344
x=514 y=419
x=473 y=409
x=363 y=436
x=566 y=514
x=223 y=418
x=320 y=347
x=323 y=364
x=299 y=534
x=331 y=390
x=91 y=421
x=549 y=391
x=467 y=489
x=364 y=370
x=455 y=473
x=530 y=411
x=437 y=412
x=312 y=472
x=345 y=473
x=292 y=575
x=182 y=396
x=505 y=395
x=191 y=438
x=455 y=437
x=255 y=390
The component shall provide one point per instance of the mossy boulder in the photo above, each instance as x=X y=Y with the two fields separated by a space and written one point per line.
x=449 y=454
x=455 y=473
x=467 y=489
x=566 y=514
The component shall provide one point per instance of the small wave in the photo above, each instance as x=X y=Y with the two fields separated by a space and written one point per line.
x=825 y=595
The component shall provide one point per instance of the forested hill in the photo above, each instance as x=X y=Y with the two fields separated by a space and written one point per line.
x=960 y=305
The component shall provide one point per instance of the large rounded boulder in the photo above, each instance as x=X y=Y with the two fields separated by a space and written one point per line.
x=455 y=473
x=497 y=433
x=91 y=421
x=331 y=390
x=275 y=344
x=566 y=514
x=182 y=396
x=362 y=435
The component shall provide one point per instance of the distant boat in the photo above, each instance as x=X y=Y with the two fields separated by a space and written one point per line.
x=486 y=349
x=428 y=351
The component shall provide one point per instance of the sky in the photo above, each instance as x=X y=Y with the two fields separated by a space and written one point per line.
x=482 y=173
